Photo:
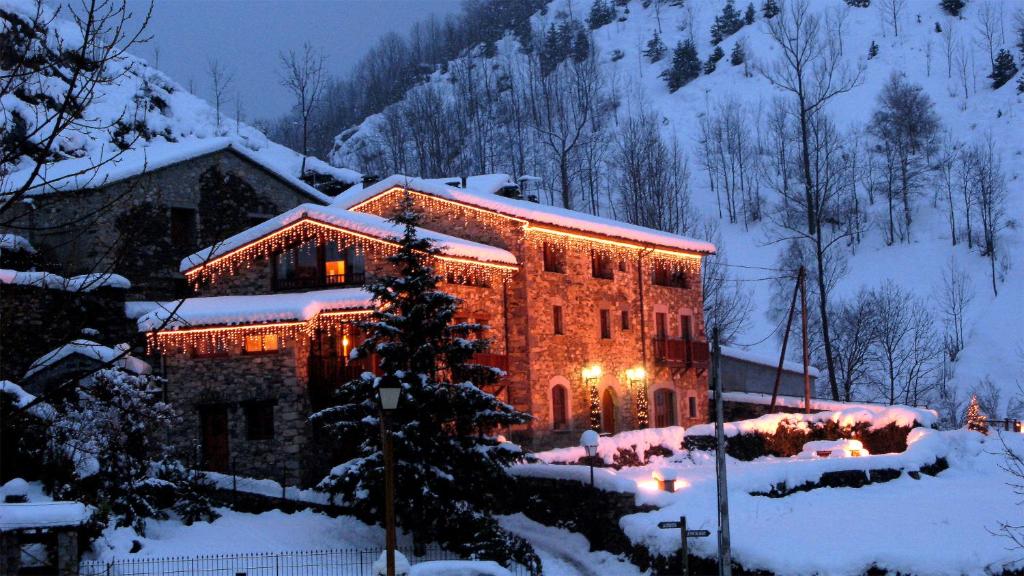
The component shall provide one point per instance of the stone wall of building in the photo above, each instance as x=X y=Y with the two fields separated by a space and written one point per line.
x=92 y=241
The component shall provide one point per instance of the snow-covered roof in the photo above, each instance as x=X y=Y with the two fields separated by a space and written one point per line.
x=254 y=309
x=755 y=358
x=116 y=356
x=42 y=515
x=15 y=243
x=21 y=398
x=479 y=193
x=95 y=172
x=367 y=224
x=83 y=283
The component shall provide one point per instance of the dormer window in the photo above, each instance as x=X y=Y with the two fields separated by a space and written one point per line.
x=313 y=265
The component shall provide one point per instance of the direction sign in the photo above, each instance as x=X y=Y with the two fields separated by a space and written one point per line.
x=697 y=533
x=670 y=525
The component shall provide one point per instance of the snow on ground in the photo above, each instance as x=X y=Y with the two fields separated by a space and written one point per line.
x=565 y=553
x=935 y=525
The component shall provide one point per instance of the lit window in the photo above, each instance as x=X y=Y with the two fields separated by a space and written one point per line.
x=556 y=315
x=261 y=343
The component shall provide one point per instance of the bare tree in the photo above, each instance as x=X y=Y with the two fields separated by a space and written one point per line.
x=990 y=198
x=813 y=70
x=727 y=304
x=220 y=82
x=855 y=325
x=989 y=25
x=907 y=352
x=954 y=295
x=946 y=180
x=303 y=75
x=892 y=13
x=949 y=42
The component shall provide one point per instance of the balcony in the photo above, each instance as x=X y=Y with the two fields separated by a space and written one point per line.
x=314 y=281
x=499 y=361
x=681 y=353
x=327 y=373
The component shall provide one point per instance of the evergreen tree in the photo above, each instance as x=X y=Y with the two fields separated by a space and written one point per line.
x=655 y=49
x=710 y=66
x=727 y=23
x=581 y=46
x=452 y=471
x=938 y=27
x=601 y=13
x=685 y=66
x=1020 y=85
x=1003 y=69
x=976 y=419
x=717 y=54
x=769 y=9
x=873 y=50
x=953 y=7
x=859 y=3
x=738 y=55
x=748 y=17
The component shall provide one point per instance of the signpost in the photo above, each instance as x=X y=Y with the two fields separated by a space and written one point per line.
x=684 y=534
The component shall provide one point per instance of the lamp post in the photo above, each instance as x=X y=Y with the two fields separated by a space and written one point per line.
x=638 y=385
x=389 y=388
x=589 y=442
x=591 y=374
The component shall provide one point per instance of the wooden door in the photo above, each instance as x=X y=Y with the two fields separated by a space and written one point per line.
x=214 y=423
x=608 y=412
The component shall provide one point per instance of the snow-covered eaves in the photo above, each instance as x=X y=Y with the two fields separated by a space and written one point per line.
x=479 y=193
x=755 y=358
x=15 y=243
x=116 y=357
x=360 y=223
x=21 y=398
x=32 y=515
x=253 y=309
x=99 y=171
x=82 y=283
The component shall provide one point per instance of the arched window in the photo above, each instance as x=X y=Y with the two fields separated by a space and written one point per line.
x=664 y=408
x=559 y=407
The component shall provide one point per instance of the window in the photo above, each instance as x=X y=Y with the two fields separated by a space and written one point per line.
x=601 y=265
x=259 y=420
x=665 y=275
x=664 y=408
x=558 y=322
x=622 y=265
x=343 y=265
x=210 y=349
x=310 y=265
x=686 y=327
x=625 y=319
x=606 y=324
x=261 y=343
x=693 y=406
x=183 y=228
x=660 y=325
x=559 y=407
x=554 y=259
x=465 y=280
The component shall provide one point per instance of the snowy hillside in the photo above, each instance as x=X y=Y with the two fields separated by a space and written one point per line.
x=133 y=107
x=994 y=339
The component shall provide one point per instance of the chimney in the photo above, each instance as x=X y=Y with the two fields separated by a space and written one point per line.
x=370 y=180
x=463 y=182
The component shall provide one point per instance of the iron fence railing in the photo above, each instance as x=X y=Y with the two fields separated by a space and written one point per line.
x=337 y=562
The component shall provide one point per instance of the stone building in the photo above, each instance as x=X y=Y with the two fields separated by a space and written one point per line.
x=267 y=335
x=141 y=212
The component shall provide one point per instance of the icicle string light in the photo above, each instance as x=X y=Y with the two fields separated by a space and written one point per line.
x=223 y=338
x=306 y=230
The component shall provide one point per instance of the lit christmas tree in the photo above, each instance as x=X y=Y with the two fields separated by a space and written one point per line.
x=976 y=419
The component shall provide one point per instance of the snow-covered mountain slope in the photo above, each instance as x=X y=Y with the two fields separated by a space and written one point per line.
x=994 y=336
x=140 y=107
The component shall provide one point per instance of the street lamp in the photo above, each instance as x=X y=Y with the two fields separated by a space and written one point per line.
x=589 y=442
x=638 y=385
x=389 y=389
x=591 y=374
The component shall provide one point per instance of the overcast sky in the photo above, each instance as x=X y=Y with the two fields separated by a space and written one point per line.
x=247 y=35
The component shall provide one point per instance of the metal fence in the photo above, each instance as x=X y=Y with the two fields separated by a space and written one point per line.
x=339 y=562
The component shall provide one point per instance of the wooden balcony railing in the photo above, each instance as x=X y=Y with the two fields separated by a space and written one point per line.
x=308 y=282
x=326 y=374
x=681 y=353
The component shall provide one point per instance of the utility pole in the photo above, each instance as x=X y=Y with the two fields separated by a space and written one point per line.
x=785 y=340
x=724 y=544
x=803 y=320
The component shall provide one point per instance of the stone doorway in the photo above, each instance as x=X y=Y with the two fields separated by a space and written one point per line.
x=213 y=421
x=608 y=411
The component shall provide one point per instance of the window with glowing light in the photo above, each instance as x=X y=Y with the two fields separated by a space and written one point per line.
x=559 y=407
x=313 y=264
x=261 y=344
x=554 y=259
x=664 y=408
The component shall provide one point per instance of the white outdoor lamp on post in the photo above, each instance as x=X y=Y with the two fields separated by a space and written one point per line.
x=591 y=374
x=389 y=390
x=589 y=442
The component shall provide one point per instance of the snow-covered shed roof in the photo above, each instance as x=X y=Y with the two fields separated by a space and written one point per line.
x=15 y=243
x=83 y=173
x=30 y=515
x=116 y=357
x=358 y=222
x=764 y=360
x=254 y=309
x=480 y=193
x=83 y=283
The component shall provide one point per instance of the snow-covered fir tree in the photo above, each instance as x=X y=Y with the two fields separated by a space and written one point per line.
x=655 y=49
x=1003 y=68
x=769 y=9
x=450 y=469
x=685 y=66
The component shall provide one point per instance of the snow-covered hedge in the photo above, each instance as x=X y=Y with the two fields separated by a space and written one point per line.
x=632 y=448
